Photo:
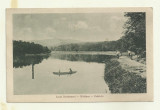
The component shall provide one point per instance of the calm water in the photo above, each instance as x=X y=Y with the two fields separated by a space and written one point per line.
x=34 y=74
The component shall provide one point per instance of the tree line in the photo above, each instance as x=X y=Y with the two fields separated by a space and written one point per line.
x=96 y=46
x=133 y=39
x=22 y=47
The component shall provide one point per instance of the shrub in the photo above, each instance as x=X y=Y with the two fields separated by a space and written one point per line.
x=122 y=81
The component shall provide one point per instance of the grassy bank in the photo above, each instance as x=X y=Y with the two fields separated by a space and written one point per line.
x=122 y=81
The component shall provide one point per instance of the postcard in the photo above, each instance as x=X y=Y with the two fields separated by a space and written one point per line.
x=79 y=54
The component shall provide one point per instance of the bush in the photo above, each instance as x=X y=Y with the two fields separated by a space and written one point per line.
x=122 y=81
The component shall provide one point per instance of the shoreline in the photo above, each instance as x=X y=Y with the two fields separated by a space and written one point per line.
x=124 y=80
x=85 y=52
x=132 y=66
x=41 y=54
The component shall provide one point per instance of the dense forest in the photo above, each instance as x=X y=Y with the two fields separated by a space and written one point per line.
x=96 y=46
x=22 y=48
x=133 y=39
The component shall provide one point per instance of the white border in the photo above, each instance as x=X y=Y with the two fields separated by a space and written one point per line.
x=106 y=97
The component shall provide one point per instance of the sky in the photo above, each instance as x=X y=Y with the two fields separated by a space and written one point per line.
x=77 y=26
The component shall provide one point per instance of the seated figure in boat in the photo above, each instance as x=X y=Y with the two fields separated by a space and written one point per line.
x=70 y=70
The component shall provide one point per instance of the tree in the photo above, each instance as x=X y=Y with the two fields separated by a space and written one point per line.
x=22 y=47
x=135 y=31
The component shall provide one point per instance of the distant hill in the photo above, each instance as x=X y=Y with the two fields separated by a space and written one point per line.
x=55 y=42
x=89 y=46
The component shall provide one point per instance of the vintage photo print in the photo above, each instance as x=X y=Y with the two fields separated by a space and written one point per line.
x=79 y=55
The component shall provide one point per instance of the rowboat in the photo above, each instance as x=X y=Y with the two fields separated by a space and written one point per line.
x=64 y=73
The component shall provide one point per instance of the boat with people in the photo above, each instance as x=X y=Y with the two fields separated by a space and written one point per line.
x=65 y=73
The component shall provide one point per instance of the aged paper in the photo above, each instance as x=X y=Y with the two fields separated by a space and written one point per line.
x=63 y=55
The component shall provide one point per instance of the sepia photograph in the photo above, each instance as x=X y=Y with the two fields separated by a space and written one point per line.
x=79 y=55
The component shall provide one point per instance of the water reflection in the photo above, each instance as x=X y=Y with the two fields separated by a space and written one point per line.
x=82 y=57
x=32 y=71
x=22 y=60
x=34 y=75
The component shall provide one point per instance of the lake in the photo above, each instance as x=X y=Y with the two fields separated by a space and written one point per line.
x=33 y=74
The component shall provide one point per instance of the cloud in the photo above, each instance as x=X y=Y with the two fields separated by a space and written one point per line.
x=50 y=30
x=63 y=18
x=26 y=30
x=96 y=28
x=47 y=33
x=27 y=33
x=117 y=18
x=79 y=25
x=23 y=33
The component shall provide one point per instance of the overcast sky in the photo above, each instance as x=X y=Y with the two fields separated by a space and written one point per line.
x=77 y=26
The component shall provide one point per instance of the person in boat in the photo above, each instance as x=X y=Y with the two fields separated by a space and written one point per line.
x=70 y=70
x=118 y=54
